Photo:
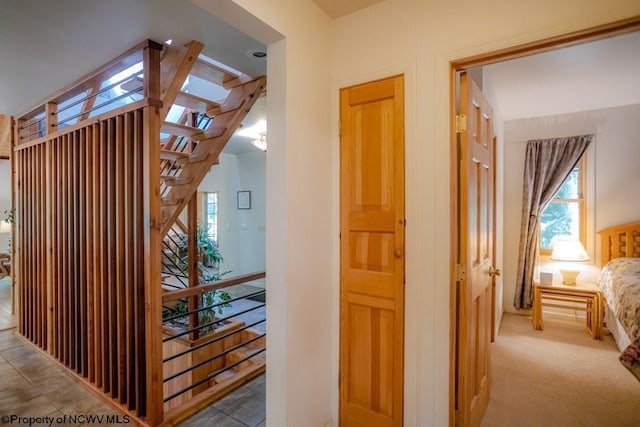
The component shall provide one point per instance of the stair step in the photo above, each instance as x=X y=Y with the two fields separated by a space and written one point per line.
x=195 y=103
x=212 y=73
x=212 y=140
x=181 y=130
x=223 y=376
x=182 y=158
x=170 y=201
x=172 y=180
x=173 y=155
x=239 y=354
x=194 y=158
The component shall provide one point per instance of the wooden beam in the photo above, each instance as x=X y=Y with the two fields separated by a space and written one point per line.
x=50 y=119
x=152 y=242
x=5 y=136
x=204 y=288
x=89 y=102
x=175 y=72
x=192 y=253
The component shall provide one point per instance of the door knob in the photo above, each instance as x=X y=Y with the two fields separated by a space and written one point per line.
x=397 y=253
x=493 y=272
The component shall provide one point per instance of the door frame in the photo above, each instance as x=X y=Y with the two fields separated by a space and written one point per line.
x=517 y=51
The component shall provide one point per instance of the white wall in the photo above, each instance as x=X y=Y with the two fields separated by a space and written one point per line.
x=612 y=193
x=419 y=38
x=5 y=197
x=301 y=210
x=241 y=233
x=306 y=68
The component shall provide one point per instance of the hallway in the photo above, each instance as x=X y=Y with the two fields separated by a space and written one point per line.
x=35 y=386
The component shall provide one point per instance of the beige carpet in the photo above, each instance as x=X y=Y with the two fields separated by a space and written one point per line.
x=558 y=377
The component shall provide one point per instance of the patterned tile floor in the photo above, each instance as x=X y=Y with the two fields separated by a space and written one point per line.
x=32 y=385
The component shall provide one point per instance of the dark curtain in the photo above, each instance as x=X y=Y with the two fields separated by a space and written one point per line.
x=548 y=162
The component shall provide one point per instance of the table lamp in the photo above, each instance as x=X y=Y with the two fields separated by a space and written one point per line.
x=569 y=250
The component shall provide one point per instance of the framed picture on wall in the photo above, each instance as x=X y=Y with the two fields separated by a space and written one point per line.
x=244 y=199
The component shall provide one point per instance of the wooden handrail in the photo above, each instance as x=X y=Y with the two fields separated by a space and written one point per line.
x=122 y=62
x=203 y=288
x=88 y=122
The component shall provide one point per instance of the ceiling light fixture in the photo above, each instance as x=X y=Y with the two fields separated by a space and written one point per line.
x=260 y=143
x=260 y=54
x=255 y=131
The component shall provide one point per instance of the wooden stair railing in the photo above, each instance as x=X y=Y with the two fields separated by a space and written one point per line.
x=194 y=146
x=192 y=164
x=94 y=181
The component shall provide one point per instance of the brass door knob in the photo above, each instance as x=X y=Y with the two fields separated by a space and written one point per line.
x=493 y=272
x=397 y=253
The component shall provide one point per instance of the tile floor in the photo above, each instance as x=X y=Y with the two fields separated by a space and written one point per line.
x=32 y=385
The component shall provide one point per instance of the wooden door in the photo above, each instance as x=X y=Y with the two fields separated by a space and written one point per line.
x=476 y=240
x=372 y=254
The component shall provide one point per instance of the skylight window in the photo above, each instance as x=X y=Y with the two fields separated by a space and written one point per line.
x=122 y=76
x=225 y=67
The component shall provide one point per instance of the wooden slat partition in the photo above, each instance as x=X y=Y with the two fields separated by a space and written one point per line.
x=80 y=246
x=87 y=212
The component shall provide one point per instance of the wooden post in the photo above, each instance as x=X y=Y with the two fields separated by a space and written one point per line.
x=15 y=137
x=192 y=249
x=50 y=117
x=50 y=125
x=152 y=238
x=194 y=301
x=49 y=248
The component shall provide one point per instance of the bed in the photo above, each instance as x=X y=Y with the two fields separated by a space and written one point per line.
x=619 y=281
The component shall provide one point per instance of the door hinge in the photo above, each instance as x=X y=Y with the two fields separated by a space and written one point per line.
x=461 y=272
x=461 y=123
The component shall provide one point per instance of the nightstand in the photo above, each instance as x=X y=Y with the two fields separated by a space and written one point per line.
x=581 y=297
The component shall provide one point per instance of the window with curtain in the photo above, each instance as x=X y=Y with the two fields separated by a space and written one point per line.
x=565 y=214
x=210 y=214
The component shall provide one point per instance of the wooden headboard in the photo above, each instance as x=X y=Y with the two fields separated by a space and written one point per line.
x=620 y=241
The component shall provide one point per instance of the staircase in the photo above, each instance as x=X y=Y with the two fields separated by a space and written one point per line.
x=205 y=127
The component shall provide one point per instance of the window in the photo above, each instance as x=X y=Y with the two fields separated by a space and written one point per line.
x=210 y=209
x=565 y=214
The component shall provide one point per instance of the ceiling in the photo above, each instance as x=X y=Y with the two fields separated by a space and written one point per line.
x=46 y=45
x=589 y=76
x=338 y=8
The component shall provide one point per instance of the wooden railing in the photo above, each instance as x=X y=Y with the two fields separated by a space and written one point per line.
x=96 y=190
x=225 y=348
x=87 y=238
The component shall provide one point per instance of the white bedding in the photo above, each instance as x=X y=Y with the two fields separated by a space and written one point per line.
x=620 y=284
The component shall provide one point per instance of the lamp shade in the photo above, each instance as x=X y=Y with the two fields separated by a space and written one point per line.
x=5 y=227
x=569 y=249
